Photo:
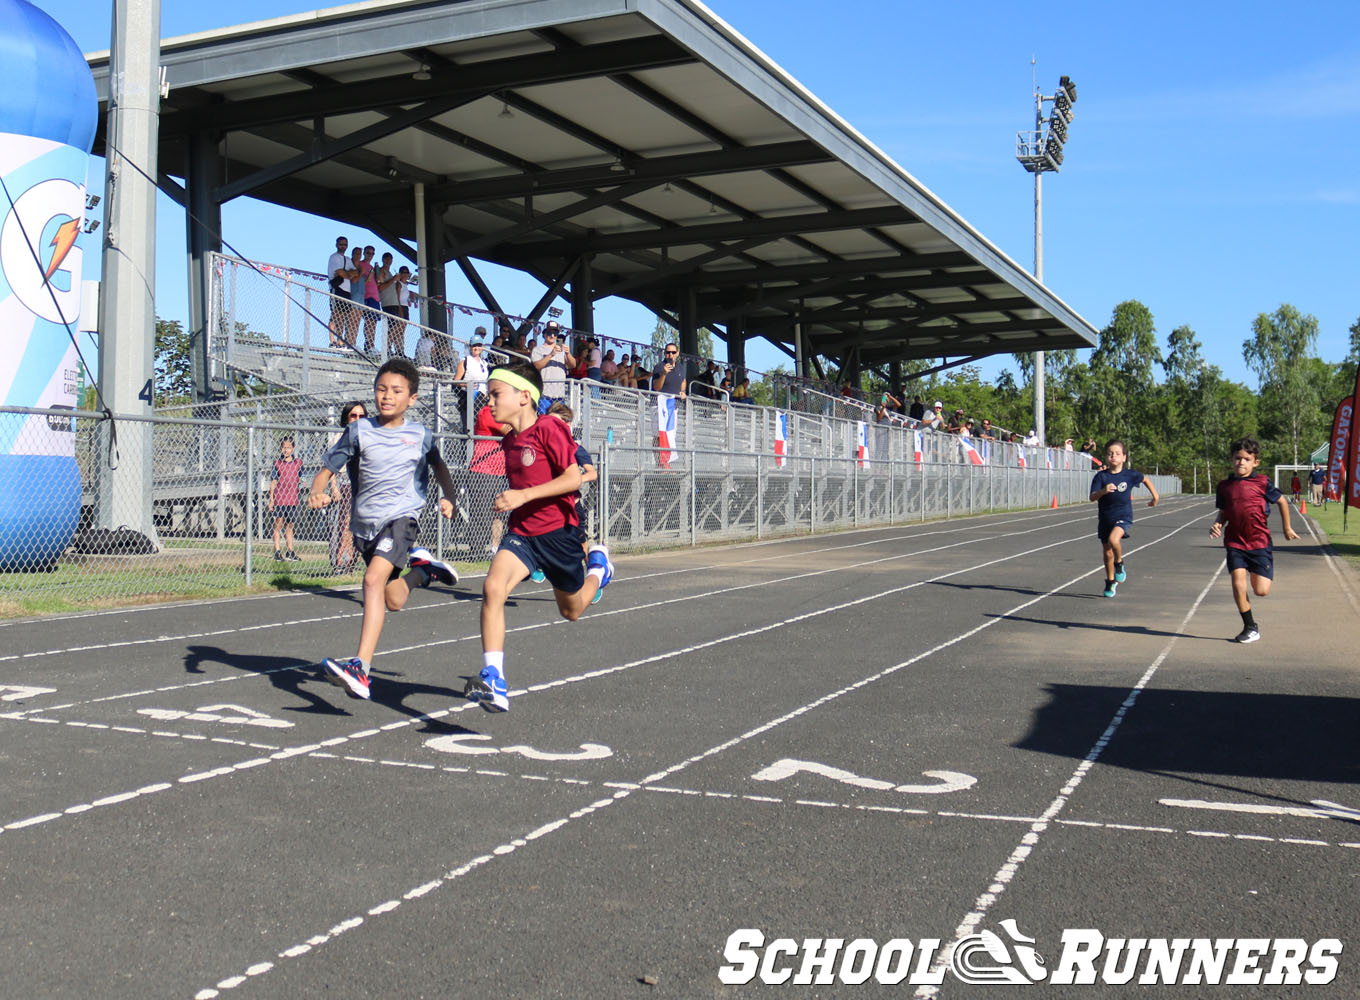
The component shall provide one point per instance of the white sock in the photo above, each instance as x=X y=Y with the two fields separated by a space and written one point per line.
x=597 y=572
x=365 y=665
x=496 y=659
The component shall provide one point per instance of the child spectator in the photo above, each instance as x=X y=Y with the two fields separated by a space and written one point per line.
x=283 y=498
x=486 y=473
x=540 y=462
x=342 y=542
x=1295 y=486
x=392 y=459
x=1112 y=488
x=1244 y=500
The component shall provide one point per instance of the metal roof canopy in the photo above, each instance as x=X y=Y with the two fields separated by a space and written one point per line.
x=639 y=148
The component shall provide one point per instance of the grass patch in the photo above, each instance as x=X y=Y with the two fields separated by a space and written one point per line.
x=1346 y=543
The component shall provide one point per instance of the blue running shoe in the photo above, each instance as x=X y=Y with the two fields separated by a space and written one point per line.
x=1119 y=575
x=598 y=558
x=537 y=576
x=435 y=569
x=488 y=689
x=598 y=594
x=1109 y=587
x=348 y=674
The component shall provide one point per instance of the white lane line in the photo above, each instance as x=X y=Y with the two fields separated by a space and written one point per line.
x=475 y=636
x=162 y=733
x=496 y=853
x=1022 y=851
x=362 y=734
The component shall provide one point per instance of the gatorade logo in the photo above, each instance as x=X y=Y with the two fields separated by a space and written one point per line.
x=50 y=214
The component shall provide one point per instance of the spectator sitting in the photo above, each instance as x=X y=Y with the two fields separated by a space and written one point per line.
x=986 y=429
x=705 y=383
x=956 y=422
x=966 y=431
x=609 y=369
x=742 y=393
x=727 y=384
x=627 y=374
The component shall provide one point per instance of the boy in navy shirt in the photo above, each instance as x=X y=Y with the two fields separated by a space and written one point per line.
x=1112 y=488
x=1244 y=500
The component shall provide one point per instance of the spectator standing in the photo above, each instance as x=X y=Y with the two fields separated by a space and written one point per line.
x=283 y=498
x=388 y=289
x=917 y=410
x=553 y=361
x=1295 y=486
x=669 y=376
x=342 y=492
x=425 y=350
x=337 y=274
x=1316 y=478
x=594 y=360
x=986 y=430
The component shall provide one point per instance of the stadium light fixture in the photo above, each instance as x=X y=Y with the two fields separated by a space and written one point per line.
x=1041 y=151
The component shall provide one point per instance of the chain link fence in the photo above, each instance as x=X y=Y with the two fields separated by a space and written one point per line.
x=161 y=508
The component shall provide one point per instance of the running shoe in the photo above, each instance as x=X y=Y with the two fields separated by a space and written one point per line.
x=278 y=556
x=488 y=689
x=598 y=558
x=1109 y=587
x=1249 y=634
x=348 y=674
x=291 y=556
x=1119 y=575
x=537 y=576
x=435 y=569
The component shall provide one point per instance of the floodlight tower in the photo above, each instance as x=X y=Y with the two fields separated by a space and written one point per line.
x=1040 y=151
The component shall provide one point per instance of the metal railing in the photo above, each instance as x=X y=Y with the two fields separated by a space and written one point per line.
x=202 y=523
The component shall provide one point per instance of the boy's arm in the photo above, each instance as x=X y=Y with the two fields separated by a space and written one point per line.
x=320 y=496
x=589 y=473
x=1156 y=498
x=1289 y=532
x=441 y=474
x=568 y=482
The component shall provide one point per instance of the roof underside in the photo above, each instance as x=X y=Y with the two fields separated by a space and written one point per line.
x=643 y=136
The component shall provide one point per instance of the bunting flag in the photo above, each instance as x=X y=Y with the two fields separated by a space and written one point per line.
x=919 y=445
x=862 y=443
x=1020 y=455
x=1340 y=439
x=781 y=437
x=970 y=451
x=984 y=447
x=1050 y=458
x=1351 y=451
x=665 y=429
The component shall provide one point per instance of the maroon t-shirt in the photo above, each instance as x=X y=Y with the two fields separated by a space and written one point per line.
x=1247 y=500
x=286 y=475
x=538 y=455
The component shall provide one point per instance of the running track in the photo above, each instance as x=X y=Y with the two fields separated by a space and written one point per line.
x=978 y=735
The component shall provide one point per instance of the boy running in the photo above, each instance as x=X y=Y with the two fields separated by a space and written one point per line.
x=1244 y=500
x=390 y=459
x=1112 y=487
x=540 y=463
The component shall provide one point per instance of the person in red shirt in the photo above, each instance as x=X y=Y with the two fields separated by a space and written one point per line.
x=486 y=472
x=283 y=498
x=1243 y=521
x=540 y=464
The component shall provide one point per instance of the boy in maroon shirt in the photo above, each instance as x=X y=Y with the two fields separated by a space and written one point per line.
x=1244 y=500
x=540 y=463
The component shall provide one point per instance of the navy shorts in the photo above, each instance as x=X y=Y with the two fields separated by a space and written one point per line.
x=558 y=554
x=287 y=513
x=1257 y=562
x=393 y=542
x=1105 y=527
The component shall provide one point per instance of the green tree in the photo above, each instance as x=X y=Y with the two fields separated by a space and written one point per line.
x=1119 y=379
x=174 y=368
x=1278 y=351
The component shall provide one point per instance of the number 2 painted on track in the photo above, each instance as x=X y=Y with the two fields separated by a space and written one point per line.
x=946 y=781
x=457 y=744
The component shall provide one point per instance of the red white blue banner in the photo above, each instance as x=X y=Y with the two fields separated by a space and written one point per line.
x=918 y=446
x=781 y=437
x=862 y=443
x=665 y=429
x=970 y=450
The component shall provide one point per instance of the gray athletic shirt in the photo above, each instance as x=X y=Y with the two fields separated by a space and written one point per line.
x=389 y=470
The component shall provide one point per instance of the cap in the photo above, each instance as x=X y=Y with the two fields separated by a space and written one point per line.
x=939 y=405
x=552 y=326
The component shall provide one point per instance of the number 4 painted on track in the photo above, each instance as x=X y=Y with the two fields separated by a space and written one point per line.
x=946 y=781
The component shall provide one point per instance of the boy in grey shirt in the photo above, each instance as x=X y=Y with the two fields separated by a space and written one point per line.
x=389 y=460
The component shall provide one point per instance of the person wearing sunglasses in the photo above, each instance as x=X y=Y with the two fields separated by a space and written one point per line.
x=669 y=376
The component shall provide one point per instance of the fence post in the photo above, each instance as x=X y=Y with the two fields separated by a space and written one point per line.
x=602 y=501
x=250 y=503
x=812 y=488
x=760 y=499
x=693 y=498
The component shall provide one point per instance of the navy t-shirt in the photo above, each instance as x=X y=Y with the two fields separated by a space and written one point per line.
x=1117 y=506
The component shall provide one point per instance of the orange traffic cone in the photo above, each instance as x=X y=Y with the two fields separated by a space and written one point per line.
x=1054 y=504
x=1303 y=506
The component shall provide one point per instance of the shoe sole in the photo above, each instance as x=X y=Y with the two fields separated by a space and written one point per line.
x=479 y=691
x=1254 y=638
x=341 y=679
x=1110 y=592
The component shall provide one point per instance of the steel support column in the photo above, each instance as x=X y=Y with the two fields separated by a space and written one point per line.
x=582 y=297
x=203 y=220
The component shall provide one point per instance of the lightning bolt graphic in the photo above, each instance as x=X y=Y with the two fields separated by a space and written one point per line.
x=64 y=239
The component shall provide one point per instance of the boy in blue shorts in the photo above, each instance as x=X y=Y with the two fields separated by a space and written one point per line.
x=1244 y=500
x=540 y=463
x=1112 y=488
x=389 y=460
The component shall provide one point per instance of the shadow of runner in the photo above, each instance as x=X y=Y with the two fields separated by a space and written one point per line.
x=286 y=673
x=1198 y=736
x=1104 y=627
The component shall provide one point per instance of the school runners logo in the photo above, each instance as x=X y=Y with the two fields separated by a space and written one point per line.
x=526 y=457
x=1123 y=487
x=1086 y=957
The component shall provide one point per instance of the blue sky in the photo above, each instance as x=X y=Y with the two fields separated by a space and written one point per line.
x=1212 y=171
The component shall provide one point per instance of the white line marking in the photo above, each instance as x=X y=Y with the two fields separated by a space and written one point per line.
x=1022 y=850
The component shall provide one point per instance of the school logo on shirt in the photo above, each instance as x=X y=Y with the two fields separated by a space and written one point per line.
x=1123 y=487
x=526 y=457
